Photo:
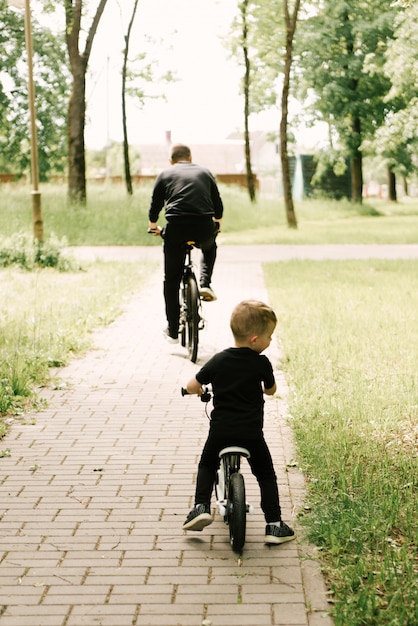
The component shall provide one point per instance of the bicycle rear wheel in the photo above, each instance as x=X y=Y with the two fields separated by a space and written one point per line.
x=190 y=335
x=237 y=511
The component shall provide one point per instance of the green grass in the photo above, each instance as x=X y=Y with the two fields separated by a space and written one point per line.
x=114 y=218
x=350 y=342
x=46 y=317
x=111 y=217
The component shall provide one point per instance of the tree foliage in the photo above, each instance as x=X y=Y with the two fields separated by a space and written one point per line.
x=264 y=42
x=263 y=38
x=397 y=139
x=51 y=79
x=342 y=59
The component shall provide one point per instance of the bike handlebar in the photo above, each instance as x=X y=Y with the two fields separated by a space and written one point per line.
x=205 y=397
x=157 y=232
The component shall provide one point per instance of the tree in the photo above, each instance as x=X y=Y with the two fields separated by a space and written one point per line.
x=343 y=65
x=396 y=140
x=290 y=23
x=246 y=90
x=269 y=30
x=12 y=88
x=77 y=105
x=133 y=80
x=51 y=77
x=249 y=45
x=128 y=178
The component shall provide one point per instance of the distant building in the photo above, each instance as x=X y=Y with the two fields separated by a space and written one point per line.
x=226 y=160
x=226 y=157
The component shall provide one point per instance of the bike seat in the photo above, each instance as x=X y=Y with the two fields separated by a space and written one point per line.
x=235 y=450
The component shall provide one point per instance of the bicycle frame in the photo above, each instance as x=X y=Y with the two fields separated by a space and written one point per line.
x=188 y=263
x=191 y=320
x=230 y=463
x=230 y=494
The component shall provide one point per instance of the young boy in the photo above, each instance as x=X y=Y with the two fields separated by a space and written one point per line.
x=239 y=376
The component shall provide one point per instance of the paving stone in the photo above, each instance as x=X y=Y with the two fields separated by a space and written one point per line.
x=96 y=489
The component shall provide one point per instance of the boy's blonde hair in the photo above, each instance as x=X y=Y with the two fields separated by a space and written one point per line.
x=251 y=317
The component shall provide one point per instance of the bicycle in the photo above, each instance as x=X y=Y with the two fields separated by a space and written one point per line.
x=230 y=487
x=191 y=318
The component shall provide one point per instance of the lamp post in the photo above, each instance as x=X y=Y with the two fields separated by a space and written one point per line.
x=36 y=194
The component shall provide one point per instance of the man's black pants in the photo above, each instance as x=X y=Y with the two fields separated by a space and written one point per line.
x=176 y=234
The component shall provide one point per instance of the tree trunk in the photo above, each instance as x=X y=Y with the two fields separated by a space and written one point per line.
x=76 y=148
x=247 y=79
x=290 y=24
x=77 y=105
x=357 y=178
x=391 y=184
x=127 y=165
x=128 y=177
x=356 y=164
x=248 y=166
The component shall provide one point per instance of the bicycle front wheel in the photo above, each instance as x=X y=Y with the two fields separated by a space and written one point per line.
x=192 y=318
x=237 y=511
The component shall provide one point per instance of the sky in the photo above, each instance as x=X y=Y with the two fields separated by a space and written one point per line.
x=202 y=105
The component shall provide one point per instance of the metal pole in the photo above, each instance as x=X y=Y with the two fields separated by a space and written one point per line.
x=36 y=194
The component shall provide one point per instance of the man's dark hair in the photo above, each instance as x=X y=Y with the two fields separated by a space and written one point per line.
x=180 y=152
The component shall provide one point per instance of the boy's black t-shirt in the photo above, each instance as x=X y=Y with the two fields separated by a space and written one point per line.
x=237 y=376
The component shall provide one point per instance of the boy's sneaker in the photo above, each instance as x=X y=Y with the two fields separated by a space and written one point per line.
x=198 y=518
x=207 y=294
x=278 y=533
x=170 y=337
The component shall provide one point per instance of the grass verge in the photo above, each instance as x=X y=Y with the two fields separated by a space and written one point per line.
x=350 y=342
x=47 y=316
x=111 y=217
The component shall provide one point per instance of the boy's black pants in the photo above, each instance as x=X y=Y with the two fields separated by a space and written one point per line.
x=261 y=465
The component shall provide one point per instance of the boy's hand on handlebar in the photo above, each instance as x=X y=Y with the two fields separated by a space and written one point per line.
x=194 y=387
x=203 y=392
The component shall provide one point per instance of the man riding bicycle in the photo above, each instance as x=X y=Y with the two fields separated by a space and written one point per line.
x=193 y=211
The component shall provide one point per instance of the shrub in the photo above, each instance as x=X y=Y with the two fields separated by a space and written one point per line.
x=25 y=252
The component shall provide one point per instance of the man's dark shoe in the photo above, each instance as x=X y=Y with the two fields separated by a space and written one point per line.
x=198 y=518
x=169 y=337
x=278 y=534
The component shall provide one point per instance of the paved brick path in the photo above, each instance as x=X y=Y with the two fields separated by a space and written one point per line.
x=97 y=486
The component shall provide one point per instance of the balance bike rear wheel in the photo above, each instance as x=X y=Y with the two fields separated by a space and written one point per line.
x=237 y=512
